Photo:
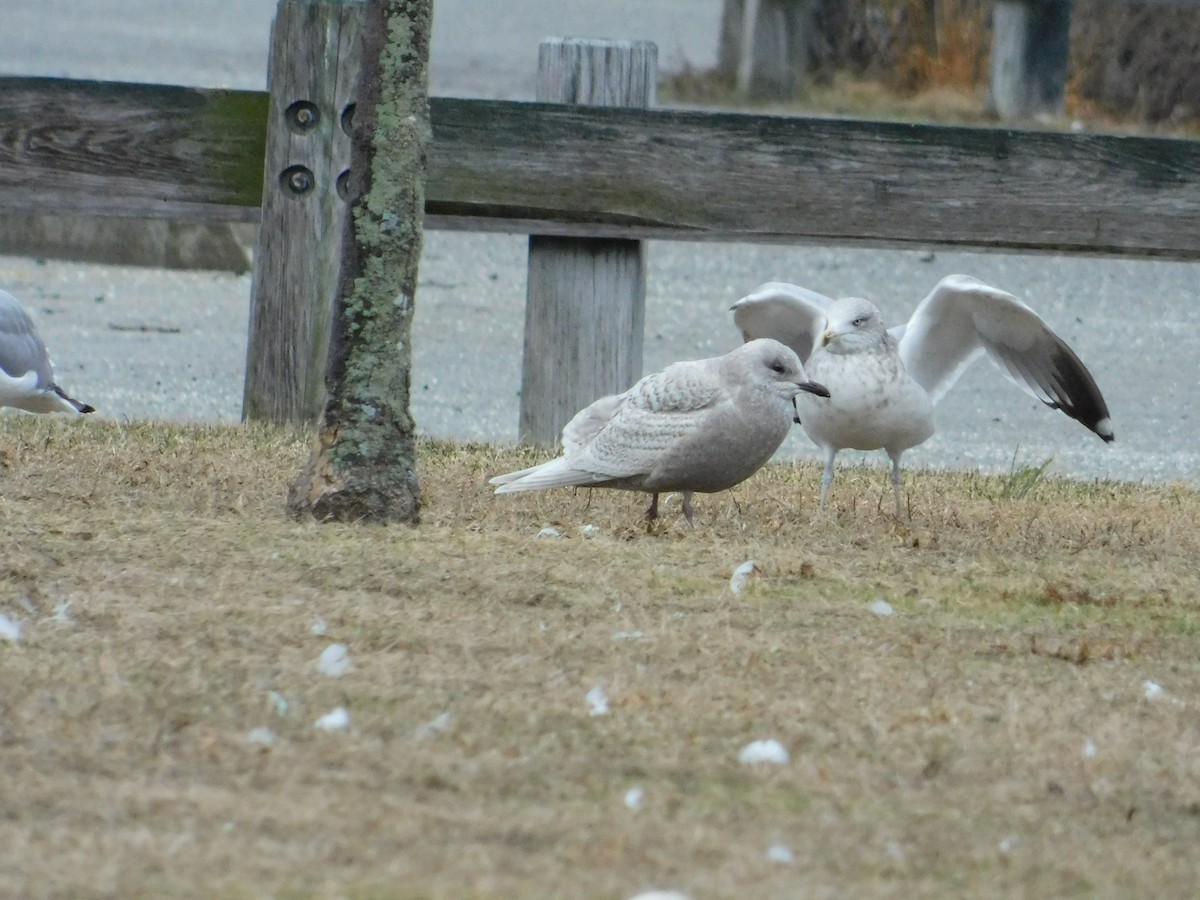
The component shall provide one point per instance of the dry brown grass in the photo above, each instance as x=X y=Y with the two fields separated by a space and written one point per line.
x=935 y=752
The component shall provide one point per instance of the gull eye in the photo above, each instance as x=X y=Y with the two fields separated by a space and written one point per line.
x=778 y=368
x=859 y=322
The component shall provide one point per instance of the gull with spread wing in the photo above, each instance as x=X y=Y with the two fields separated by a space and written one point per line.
x=885 y=384
x=26 y=371
x=698 y=426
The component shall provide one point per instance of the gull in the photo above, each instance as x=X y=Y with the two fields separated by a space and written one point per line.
x=26 y=371
x=697 y=426
x=885 y=384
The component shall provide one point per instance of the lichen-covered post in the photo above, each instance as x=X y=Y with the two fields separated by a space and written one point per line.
x=362 y=466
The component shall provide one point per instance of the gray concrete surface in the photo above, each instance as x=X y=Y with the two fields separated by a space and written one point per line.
x=142 y=343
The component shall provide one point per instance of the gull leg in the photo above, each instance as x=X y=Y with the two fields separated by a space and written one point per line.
x=827 y=475
x=687 y=508
x=896 y=482
x=652 y=512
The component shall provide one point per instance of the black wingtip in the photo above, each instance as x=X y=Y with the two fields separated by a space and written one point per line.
x=79 y=407
x=1077 y=395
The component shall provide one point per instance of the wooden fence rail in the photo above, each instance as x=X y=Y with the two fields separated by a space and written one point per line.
x=117 y=149
x=137 y=150
x=83 y=146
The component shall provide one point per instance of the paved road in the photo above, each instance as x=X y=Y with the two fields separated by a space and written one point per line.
x=148 y=343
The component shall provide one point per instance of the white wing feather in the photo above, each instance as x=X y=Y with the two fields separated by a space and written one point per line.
x=790 y=314
x=962 y=318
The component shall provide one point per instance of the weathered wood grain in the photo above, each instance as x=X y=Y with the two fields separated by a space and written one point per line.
x=724 y=176
x=105 y=148
x=585 y=297
x=585 y=171
x=312 y=78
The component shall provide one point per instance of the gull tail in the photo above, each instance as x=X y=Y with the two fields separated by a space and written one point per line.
x=556 y=473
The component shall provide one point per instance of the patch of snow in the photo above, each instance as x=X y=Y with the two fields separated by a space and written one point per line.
x=627 y=635
x=881 y=607
x=743 y=575
x=334 y=720
x=10 y=629
x=780 y=853
x=439 y=724
x=597 y=701
x=764 y=751
x=278 y=703
x=334 y=661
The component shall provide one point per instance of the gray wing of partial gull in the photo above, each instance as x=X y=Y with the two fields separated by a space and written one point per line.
x=21 y=350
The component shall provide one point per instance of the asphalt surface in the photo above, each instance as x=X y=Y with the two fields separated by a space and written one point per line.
x=142 y=343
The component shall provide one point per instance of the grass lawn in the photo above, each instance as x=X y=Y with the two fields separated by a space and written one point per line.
x=994 y=735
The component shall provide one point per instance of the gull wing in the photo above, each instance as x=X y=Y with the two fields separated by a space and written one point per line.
x=790 y=314
x=626 y=435
x=962 y=318
x=652 y=416
x=21 y=350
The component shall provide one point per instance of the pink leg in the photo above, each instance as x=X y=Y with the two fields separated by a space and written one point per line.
x=687 y=508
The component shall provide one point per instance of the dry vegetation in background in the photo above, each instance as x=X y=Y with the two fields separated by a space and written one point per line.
x=1133 y=67
x=992 y=737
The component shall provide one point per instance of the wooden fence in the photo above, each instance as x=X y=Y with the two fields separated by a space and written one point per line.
x=569 y=171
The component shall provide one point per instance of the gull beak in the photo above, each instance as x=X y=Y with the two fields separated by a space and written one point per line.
x=810 y=387
x=828 y=336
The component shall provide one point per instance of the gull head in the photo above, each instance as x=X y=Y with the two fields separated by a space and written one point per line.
x=777 y=366
x=852 y=325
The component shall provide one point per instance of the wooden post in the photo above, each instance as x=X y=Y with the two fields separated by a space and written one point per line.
x=1030 y=42
x=585 y=300
x=771 y=46
x=747 y=56
x=312 y=74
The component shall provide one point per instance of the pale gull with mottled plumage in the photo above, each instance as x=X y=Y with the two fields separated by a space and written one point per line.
x=698 y=426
